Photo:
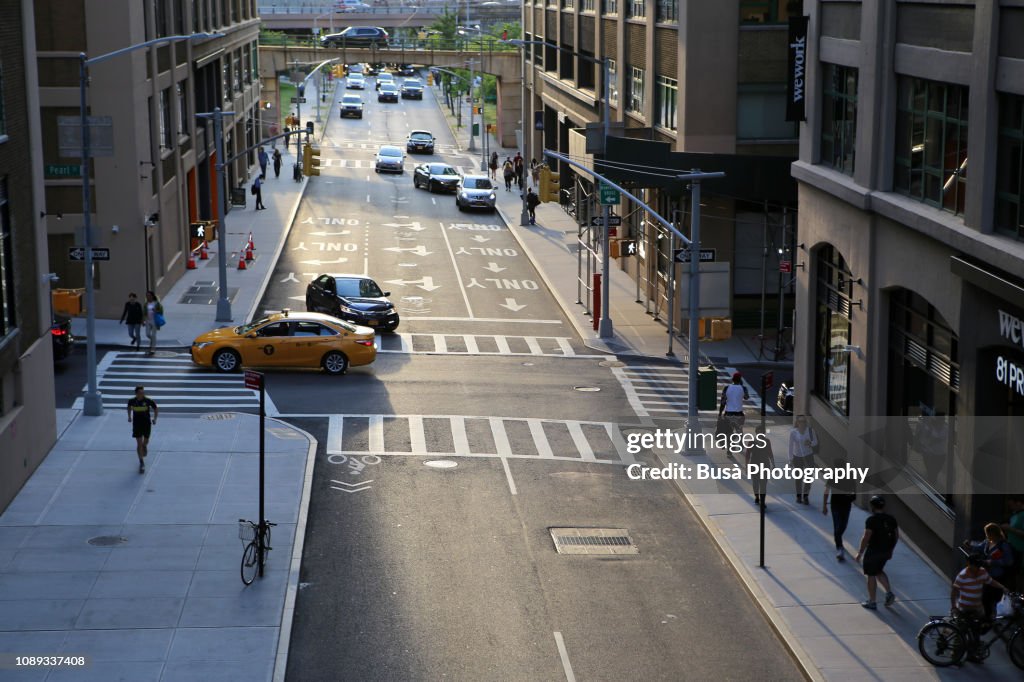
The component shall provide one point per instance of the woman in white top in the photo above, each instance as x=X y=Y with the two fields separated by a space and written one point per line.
x=802 y=443
x=153 y=308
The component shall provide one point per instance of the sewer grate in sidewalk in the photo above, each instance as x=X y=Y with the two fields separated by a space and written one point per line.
x=217 y=416
x=205 y=293
x=107 y=540
x=593 y=541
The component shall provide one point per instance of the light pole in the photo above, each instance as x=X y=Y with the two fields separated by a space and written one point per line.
x=93 y=402
x=223 y=303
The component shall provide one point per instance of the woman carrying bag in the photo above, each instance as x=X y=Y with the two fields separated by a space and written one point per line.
x=154 y=319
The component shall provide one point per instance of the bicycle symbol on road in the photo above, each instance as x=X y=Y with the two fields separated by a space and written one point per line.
x=355 y=463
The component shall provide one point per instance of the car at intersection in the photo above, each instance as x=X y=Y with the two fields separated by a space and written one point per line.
x=436 y=177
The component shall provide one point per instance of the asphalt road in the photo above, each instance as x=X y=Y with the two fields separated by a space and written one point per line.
x=416 y=572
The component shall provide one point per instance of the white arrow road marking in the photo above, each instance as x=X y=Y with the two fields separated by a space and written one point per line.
x=511 y=304
x=324 y=262
x=352 y=487
x=418 y=250
x=308 y=221
x=494 y=267
x=300 y=247
x=329 y=234
x=427 y=283
x=290 y=278
x=411 y=226
x=480 y=238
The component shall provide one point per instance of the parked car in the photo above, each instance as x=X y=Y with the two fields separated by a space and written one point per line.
x=784 y=400
x=420 y=141
x=353 y=298
x=387 y=93
x=412 y=88
x=384 y=77
x=351 y=106
x=475 y=191
x=60 y=334
x=390 y=158
x=355 y=81
x=436 y=177
x=356 y=36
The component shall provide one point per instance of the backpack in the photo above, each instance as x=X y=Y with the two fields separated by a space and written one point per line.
x=253 y=189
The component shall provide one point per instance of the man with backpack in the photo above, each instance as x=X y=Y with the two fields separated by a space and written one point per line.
x=881 y=533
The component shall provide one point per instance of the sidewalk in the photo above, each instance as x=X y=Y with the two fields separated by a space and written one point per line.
x=141 y=572
x=269 y=228
x=811 y=600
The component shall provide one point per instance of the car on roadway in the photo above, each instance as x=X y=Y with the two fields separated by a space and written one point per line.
x=354 y=298
x=436 y=177
x=356 y=36
x=375 y=68
x=287 y=339
x=61 y=336
x=390 y=158
x=355 y=81
x=412 y=88
x=351 y=106
x=385 y=77
x=406 y=70
x=475 y=191
x=420 y=141
x=355 y=68
x=388 y=93
x=346 y=6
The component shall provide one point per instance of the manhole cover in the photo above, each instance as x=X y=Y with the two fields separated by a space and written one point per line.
x=107 y=540
x=586 y=389
x=218 y=416
x=593 y=541
x=441 y=463
x=611 y=363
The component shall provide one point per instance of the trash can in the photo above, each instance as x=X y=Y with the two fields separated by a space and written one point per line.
x=707 y=388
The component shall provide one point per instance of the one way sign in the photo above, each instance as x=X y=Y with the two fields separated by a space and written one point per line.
x=706 y=255
x=77 y=253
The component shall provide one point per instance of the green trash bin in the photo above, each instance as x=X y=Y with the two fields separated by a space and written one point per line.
x=707 y=388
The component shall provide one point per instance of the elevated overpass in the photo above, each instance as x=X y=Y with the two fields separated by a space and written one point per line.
x=505 y=65
x=281 y=15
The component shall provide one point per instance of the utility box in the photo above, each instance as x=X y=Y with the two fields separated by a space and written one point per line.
x=721 y=330
x=707 y=388
x=67 y=301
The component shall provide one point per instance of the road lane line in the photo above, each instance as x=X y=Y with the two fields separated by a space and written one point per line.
x=376 y=433
x=508 y=476
x=540 y=439
x=458 y=274
x=501 y=445
x=460 y=441
x=335 y=424
x=580 y=440
x=564 y=655
x=417 y=439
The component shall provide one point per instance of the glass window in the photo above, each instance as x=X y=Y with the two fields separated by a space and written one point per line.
x=638 y=8
x=225 y=77
x=668 y=10
x=1009 y=218
x=8 y=317
x=183 y=117
x=931 y=143
x=761 y=113
x=274 y=329
x=3 y=118
x=832 y=330
x=665 y=104
x=568 y=4
x=160 y=17
x=164 y=114
x=636 y=90
x=764 y=11
x=254 y=63
x=236 y=71
x=587 y=5
x=610 y=6
x=613 y=90
x=838 y=116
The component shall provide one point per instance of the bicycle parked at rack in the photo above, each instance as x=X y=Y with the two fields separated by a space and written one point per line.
x=948 y=640
x=255 y=535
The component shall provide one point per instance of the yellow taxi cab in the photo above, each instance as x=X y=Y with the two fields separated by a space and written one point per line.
x=287 y=339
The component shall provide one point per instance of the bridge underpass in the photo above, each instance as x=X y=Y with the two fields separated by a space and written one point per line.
x=505 y=65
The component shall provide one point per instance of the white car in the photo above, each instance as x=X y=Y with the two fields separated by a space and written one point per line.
x=355 y=81
x=384 y=77
x=351 y=105
x=390 y=158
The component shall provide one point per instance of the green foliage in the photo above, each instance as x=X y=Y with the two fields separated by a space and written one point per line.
x=447 y=24
x=514 y=28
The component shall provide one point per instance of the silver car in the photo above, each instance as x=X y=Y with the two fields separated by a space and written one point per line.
x=390 y=158
x=475 y=191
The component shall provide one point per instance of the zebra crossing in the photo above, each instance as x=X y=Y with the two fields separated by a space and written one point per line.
x=173 y=382
x=478 y=344
x=369 y=164
x=353 y=436
x=374 y=146
x=663 y=391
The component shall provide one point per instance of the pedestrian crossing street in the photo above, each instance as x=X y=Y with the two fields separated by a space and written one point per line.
x=173 y=382
x=662 y=391
x=478 y=344
x=360 y=435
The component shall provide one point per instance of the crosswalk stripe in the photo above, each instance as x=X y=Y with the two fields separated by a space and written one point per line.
x=540 y=439
x=534 y=347
x=460 y=441
x=335 y=426
x=501 y=444
x=615 y=436
x=580 y=441
x=471 y=347
x=440 y=345
x=502 y=344
x=376 y=433
x=417 y=439
x=567 y=349
x=551 y=346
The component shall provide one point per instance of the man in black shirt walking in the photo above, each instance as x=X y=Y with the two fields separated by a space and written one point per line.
x=133 y=316
x=881 y=533
x=138 y=416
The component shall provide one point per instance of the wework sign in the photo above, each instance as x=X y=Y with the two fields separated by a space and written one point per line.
x=1008 y=372
x=796 y=86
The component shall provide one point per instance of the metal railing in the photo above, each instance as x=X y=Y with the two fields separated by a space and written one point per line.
x=318 y=9
x=474 y=46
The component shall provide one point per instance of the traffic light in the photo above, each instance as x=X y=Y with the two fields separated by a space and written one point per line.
x=309 y=127
x=311 y=160
x=549 y=184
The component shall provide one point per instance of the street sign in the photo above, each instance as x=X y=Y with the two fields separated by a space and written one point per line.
x=300 y=100
x=613 y=221
x=62 y=170
x=785 y=266
x=69 y=136
x=253 y=380
x=77 y=253
x=610 y=196
x=706 y=255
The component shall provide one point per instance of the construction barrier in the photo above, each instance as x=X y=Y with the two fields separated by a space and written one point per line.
x=67 y=301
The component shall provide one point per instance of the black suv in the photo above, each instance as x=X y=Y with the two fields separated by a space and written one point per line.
x=357 y=36
x=353 y=298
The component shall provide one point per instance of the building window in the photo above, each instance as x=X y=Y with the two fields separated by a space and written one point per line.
x=225 y=77
x=1009 y=218
x=568 y=4
x=609 y=6
x=839 y=117
x=638 y=9
x=160 y=17
x=761 y=113
x=179 y=93
x=8 y=318
x=923 y=384
x=3 y=117
x=636 y=90
x=254 y=62
x=931 y=143
x=832 y=330
x=236 y=70
x=764 y=11
x=665 y=102
x=668 y=10
x=613 y=90
x=587 y=6
x=165 y=120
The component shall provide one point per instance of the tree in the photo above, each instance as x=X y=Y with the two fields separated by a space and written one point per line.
x=447 y=25
x=508 y=30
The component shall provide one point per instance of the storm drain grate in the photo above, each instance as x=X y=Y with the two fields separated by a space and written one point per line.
x=593 y=541
x=107 y=540
x=218 y=416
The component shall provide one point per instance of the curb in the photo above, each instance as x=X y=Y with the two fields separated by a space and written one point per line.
x=760 y=599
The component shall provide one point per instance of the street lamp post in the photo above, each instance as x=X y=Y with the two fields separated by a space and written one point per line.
x=93 y=401
x=223 y=303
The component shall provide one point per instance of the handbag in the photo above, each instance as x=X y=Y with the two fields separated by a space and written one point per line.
x=722 y=427
x=158 y=320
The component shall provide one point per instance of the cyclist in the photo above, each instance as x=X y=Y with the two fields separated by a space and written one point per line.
x=965 y=597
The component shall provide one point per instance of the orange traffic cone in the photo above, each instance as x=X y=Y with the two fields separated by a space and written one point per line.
x=248 y=253
x=203 y=255
x=241 y=263
x=190 y=264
